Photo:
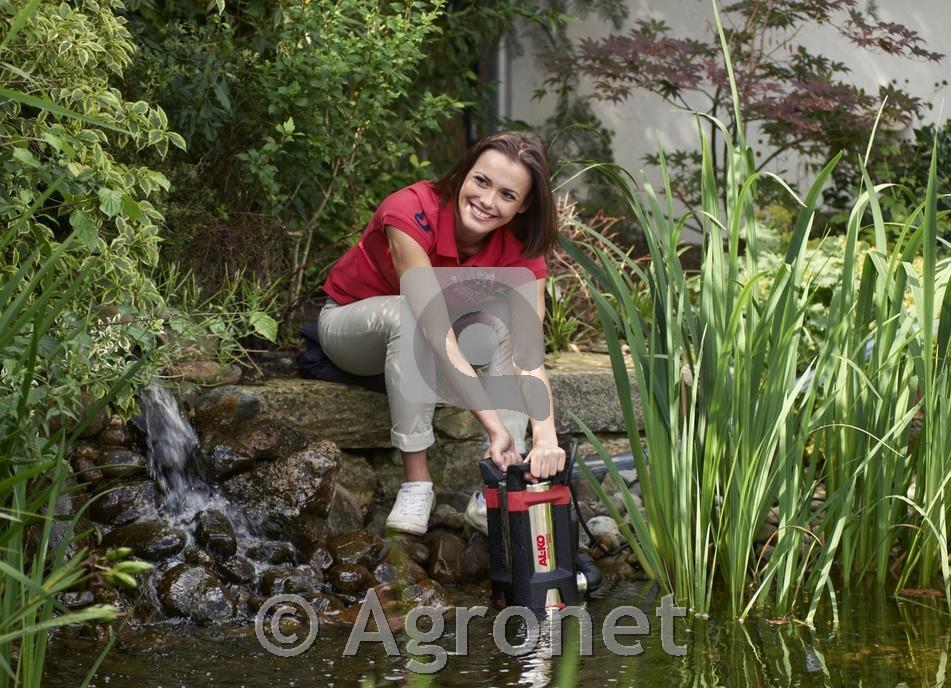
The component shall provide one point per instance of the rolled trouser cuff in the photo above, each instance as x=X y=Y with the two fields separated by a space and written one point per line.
x=412 y=442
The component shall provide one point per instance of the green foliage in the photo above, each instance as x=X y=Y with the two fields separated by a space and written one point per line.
x=302 y=117
x=62 y=174
x=339 y=90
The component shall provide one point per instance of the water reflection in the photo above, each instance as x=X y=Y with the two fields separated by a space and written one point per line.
x=879 y=641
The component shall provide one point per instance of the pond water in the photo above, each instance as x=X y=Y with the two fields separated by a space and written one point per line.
x=879 y=641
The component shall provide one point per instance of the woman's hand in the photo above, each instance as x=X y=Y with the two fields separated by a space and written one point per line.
x=502 y=449
x=546 y=460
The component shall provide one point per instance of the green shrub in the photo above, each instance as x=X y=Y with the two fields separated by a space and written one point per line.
x=303 y=116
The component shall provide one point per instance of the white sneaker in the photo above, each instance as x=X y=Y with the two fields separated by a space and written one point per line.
x=477 y=515
x=410 y=512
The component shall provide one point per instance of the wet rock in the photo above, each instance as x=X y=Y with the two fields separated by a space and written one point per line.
x=607 y=535
x=314 y=531
x=216 y=534
x=122 y=463
x=196 y=593
x=617 y=567
x=320 y=559
x=376 y=522
x=356 y=547
x=151 y=539
x=407 y=570
x=222 y=462
x=241 y=595
x=98 y=422
x=426 y=593
x=237 y=569
x=327 y=605
x=275 y=495
x=125 y=503
x=350 y=578
x=445 y=557
x=409 y=546
x=78 y=600
x=82 y=449
x=345 y=513
x=475 y=561
x=446 y=517
x=385 y=573
x=225 y=407
x=359 y=478
x=197 y=556
x=114 y=435
x=209 y=373
x=271 y=552
x=290 y=580
x=269 y=439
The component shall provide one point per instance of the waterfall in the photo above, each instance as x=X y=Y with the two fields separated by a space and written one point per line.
x=172 y=455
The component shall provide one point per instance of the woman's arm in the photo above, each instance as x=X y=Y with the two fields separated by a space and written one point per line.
x=546 y=457
x=406 y=254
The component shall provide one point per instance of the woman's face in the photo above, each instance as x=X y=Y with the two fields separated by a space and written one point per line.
x=494 y=190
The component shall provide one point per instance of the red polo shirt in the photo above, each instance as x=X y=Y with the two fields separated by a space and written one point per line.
x=367 y=270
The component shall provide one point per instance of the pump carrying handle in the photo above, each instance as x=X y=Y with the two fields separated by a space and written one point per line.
x=515 y=475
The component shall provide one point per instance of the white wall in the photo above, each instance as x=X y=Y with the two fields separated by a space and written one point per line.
x=643 y=119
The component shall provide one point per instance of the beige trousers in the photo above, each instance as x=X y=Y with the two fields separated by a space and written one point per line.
x=363 y=338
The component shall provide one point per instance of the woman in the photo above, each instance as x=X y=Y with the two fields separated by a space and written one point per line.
x=494 y=209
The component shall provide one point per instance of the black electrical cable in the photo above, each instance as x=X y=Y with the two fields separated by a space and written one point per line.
x=574 y=500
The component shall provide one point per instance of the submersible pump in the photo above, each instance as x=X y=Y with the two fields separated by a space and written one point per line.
x=534 y=560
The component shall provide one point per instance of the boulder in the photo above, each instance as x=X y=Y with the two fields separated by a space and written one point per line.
x=313 y=531
x=356 y=547
x=196 y=593
x=475 y=560
x=348 y=416
x=358 y=477
x=216 y=534
x=270 y=552
x=445 y=557
x=151 y=539
x=276 y=494
x=120 y=504
x=122 y=463
x=236 y=569
x=222 y=462
x=425 y=593
x=290 y=580
x=114 y=435
x=446 y=517
x=350 y=578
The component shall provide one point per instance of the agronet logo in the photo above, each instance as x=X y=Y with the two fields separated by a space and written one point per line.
x=621 y=623
x=492 y=313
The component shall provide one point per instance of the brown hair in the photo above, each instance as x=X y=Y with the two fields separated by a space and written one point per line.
x=537 y=227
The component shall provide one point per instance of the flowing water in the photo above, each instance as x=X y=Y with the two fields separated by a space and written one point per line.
x=879 y=641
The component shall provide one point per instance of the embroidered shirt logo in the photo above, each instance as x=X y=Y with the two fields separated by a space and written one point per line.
x=420 y=218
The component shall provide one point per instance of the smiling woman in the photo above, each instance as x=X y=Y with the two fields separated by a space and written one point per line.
x=494 y=209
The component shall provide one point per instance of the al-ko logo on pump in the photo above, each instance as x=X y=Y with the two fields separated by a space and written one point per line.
x=541 y=548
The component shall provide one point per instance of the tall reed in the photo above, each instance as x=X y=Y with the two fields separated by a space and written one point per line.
x=727 y=412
